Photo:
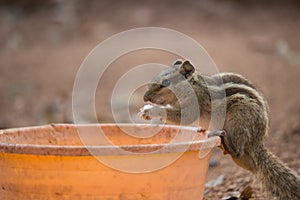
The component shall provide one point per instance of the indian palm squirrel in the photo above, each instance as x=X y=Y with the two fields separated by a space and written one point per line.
x=245 y=123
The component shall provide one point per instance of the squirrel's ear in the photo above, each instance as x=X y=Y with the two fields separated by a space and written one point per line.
x=186 y=69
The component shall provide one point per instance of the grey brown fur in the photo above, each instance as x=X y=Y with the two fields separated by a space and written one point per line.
x=246 y=120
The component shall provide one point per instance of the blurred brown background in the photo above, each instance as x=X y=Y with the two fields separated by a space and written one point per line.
x=43 y=43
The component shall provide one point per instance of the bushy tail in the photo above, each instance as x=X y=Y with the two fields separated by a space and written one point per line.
x=276 y=177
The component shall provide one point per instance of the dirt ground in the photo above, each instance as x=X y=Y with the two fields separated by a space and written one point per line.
x=43 y=44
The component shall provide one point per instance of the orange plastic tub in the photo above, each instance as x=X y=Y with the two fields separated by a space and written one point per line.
x=86 y=162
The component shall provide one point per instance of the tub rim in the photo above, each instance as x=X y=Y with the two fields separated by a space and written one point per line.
x=73 y=150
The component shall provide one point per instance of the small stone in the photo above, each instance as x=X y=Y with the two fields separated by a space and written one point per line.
x=219 y=180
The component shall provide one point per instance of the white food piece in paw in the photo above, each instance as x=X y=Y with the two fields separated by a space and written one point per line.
x=147 y=106
x=144 y=109
x=144 y=112
x=150 y=111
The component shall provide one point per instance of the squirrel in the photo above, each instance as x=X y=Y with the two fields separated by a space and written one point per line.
x=245 y=124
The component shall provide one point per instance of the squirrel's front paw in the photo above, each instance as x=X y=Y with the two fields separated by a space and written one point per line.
x=145 y=112
x=149 y=112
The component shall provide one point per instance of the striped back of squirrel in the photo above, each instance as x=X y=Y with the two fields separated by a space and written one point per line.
x=237 y=84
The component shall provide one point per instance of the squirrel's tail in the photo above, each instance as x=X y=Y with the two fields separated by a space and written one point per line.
x=276 y=177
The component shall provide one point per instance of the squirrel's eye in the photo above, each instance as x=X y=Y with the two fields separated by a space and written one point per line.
x=165 y=83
